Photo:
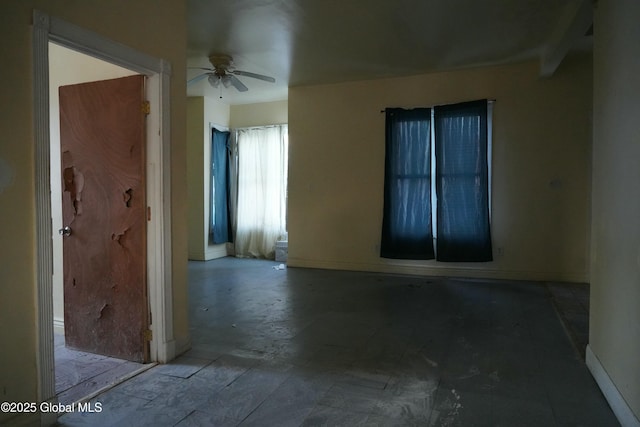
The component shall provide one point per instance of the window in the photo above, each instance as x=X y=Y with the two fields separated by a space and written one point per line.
x=261 y=190
x=454 y=190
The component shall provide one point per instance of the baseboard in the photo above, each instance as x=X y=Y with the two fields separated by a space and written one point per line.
x=419 y=268
x=210 y=252
x=215 y=251
x=620 y=408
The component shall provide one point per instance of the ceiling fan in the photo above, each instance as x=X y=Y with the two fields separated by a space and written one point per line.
x=224 y=72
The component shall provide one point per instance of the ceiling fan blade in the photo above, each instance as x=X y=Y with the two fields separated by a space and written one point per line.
x=238 y=84
x=198 y=78
x=254 y=75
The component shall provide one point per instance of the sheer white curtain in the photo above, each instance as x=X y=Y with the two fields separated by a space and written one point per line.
x=262 y=183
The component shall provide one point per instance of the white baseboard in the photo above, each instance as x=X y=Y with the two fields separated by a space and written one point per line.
x=429 y=268
x=215 y=251
x=620 y=408
x=209 y=253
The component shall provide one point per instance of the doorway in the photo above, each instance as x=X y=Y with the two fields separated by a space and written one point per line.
x=48 y=29
x=79 y=372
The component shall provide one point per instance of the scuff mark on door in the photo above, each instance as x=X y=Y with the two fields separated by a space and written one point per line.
x=127 y=197
x=74 y=184
x=120 y=237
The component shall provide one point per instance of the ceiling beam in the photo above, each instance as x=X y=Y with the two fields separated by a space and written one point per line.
x=573 y=25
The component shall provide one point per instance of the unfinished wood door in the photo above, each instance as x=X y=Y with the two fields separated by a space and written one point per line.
x=102 y=136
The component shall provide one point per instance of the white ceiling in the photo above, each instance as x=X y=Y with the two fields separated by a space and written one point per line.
x=301 y=42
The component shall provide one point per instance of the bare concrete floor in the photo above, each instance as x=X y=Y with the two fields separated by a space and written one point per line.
x=301 y=347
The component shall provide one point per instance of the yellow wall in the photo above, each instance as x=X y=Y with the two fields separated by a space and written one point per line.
x=541 y=169
x=614 y=335
x=202 y=113
x=156 y=27
x=261 y=114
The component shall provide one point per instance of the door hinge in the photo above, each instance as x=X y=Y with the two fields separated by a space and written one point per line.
x=148 y=213
x=148 y=335
x=146 y=107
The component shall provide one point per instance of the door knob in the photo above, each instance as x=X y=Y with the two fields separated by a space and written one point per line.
x=66 y=231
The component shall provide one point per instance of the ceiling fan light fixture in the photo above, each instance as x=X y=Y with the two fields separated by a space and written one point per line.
x=224 y=72
x=214 y=80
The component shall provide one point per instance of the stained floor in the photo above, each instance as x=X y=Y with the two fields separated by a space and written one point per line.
x=302 y=347
x=80 y=374
x=572 y=303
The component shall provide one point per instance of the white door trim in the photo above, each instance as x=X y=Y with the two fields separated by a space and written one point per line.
x=159 y=255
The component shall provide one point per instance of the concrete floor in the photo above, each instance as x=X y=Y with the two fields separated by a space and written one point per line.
x=300 y=347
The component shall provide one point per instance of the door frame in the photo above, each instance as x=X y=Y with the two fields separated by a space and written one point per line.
x=47 y=29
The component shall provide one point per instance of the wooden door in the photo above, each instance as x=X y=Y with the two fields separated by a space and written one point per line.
x=102 y=136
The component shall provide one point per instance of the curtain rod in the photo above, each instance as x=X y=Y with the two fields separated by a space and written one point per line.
x=261 y=127
x=490 y=101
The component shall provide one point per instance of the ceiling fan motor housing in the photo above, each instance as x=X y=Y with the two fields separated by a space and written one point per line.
x=221 y=63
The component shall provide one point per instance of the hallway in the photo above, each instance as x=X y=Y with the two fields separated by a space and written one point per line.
x=312 y=347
